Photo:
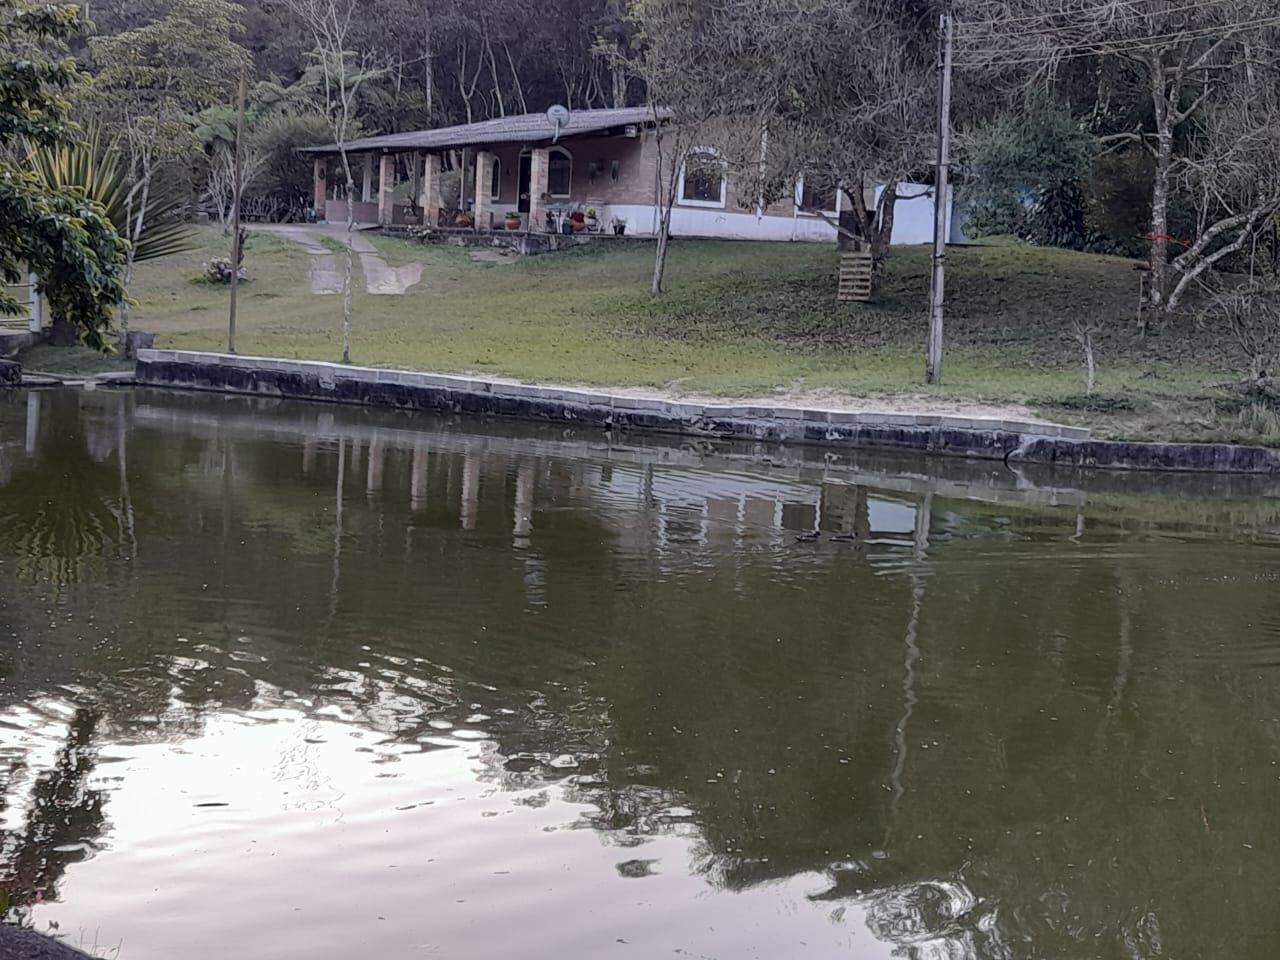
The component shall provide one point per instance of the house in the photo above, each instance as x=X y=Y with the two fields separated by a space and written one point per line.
x=604 y=160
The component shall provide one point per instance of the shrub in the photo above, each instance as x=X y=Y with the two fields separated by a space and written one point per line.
x=219 y=271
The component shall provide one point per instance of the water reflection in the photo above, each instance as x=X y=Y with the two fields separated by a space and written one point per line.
x=61 y=820
x=337 y=661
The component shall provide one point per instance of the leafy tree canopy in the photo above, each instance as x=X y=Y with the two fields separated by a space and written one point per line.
x=64 y=237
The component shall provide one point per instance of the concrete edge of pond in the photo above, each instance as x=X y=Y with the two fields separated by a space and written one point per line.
x=1012 y=441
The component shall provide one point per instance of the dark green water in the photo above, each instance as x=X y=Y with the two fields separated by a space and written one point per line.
x=306 y=681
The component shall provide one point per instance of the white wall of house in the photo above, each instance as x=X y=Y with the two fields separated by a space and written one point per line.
x=913 y=221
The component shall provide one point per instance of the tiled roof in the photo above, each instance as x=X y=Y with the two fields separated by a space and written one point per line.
x=526 y=128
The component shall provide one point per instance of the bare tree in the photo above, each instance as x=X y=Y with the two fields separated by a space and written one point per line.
x=1083 y=330
x=837 y=91
x=682 y=64
x=1251 y=314
x=1209 y=73
x=344 y=72
x=152 y=80
x=220 y=188
x=856 y=116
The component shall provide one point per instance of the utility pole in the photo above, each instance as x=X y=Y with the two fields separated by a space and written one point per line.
x=933 y=361
x=236 y=191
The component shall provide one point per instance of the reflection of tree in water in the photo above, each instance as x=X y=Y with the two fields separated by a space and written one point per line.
x=64 y=820
x=67 y=505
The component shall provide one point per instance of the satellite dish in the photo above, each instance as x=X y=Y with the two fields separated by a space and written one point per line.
x=558 y=117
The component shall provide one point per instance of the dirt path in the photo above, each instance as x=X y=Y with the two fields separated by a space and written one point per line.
x=380 y=278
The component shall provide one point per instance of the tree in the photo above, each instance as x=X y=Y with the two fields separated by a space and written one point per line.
x=1034 y=153
x=799 y=97
x=55 y=231
x=344 y=73
x=153 y=79
x=1208 y=74
x=684 y=57
x=85 y=169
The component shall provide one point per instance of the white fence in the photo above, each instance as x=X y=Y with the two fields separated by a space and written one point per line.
x=32 y=320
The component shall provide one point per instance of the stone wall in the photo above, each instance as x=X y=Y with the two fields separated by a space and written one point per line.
x=1009 y=440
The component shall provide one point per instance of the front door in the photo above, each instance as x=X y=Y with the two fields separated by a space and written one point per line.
x=523 y=178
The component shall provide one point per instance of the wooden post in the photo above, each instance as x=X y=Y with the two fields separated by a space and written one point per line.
x=237 y=191
x=933 y=361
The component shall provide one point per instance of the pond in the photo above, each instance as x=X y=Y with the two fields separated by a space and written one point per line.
x=299 y=680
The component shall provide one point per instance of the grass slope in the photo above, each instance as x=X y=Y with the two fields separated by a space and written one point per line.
x=741 y=319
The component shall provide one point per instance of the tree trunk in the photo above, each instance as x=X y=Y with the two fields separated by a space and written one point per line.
x=660 y=254
x=849 y=232
x=1091 y=369
x=881 y=234
x=1159 y=286
x=872 y=227
x=346 y=279
x=123 y=342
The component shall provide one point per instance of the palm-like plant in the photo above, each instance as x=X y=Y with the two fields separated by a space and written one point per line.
x=87 y=168
x=94 y=169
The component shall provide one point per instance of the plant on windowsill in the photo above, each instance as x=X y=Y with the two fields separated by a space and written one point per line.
x=513 y=219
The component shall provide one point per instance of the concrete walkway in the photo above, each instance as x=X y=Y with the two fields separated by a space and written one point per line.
x=380 y=278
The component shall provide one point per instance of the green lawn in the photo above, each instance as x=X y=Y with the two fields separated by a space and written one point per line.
x=740 y=319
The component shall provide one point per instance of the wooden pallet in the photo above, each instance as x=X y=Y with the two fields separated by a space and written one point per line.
x=855 y=278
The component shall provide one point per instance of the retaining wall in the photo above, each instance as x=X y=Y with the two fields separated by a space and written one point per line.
x=1009 y=440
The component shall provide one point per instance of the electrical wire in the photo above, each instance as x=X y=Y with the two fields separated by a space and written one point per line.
x=1107 y=47
x=1005 y=21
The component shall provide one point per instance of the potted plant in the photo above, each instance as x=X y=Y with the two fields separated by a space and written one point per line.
x=513 y=219
x=593 y=219
x=579 y=221
x=619 y=226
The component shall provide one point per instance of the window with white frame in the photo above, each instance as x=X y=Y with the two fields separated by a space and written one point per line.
x=702 y=179
x=495 y=182
x=814 y=196
x=560 y=173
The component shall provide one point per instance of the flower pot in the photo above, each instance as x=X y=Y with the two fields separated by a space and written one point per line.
x=619 y=229
x=513 y=223
x=567 y=228
x=578 y=226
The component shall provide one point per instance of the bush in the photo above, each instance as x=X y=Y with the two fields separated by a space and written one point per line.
x=996 y=219
x=219 y=271
x=284 y=182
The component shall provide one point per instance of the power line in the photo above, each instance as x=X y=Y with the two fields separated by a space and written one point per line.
x=1105 y=47
x=1003 y=21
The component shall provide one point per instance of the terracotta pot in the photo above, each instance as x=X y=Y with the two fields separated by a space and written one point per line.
x=513 y=223
x=578 y=226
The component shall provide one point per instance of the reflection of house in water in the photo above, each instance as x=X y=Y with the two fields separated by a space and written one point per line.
x=708 y=508
x=684 y=499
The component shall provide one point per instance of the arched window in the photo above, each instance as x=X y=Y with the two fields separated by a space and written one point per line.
x=495 y=184
x=702 y=179
x=560 y=173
